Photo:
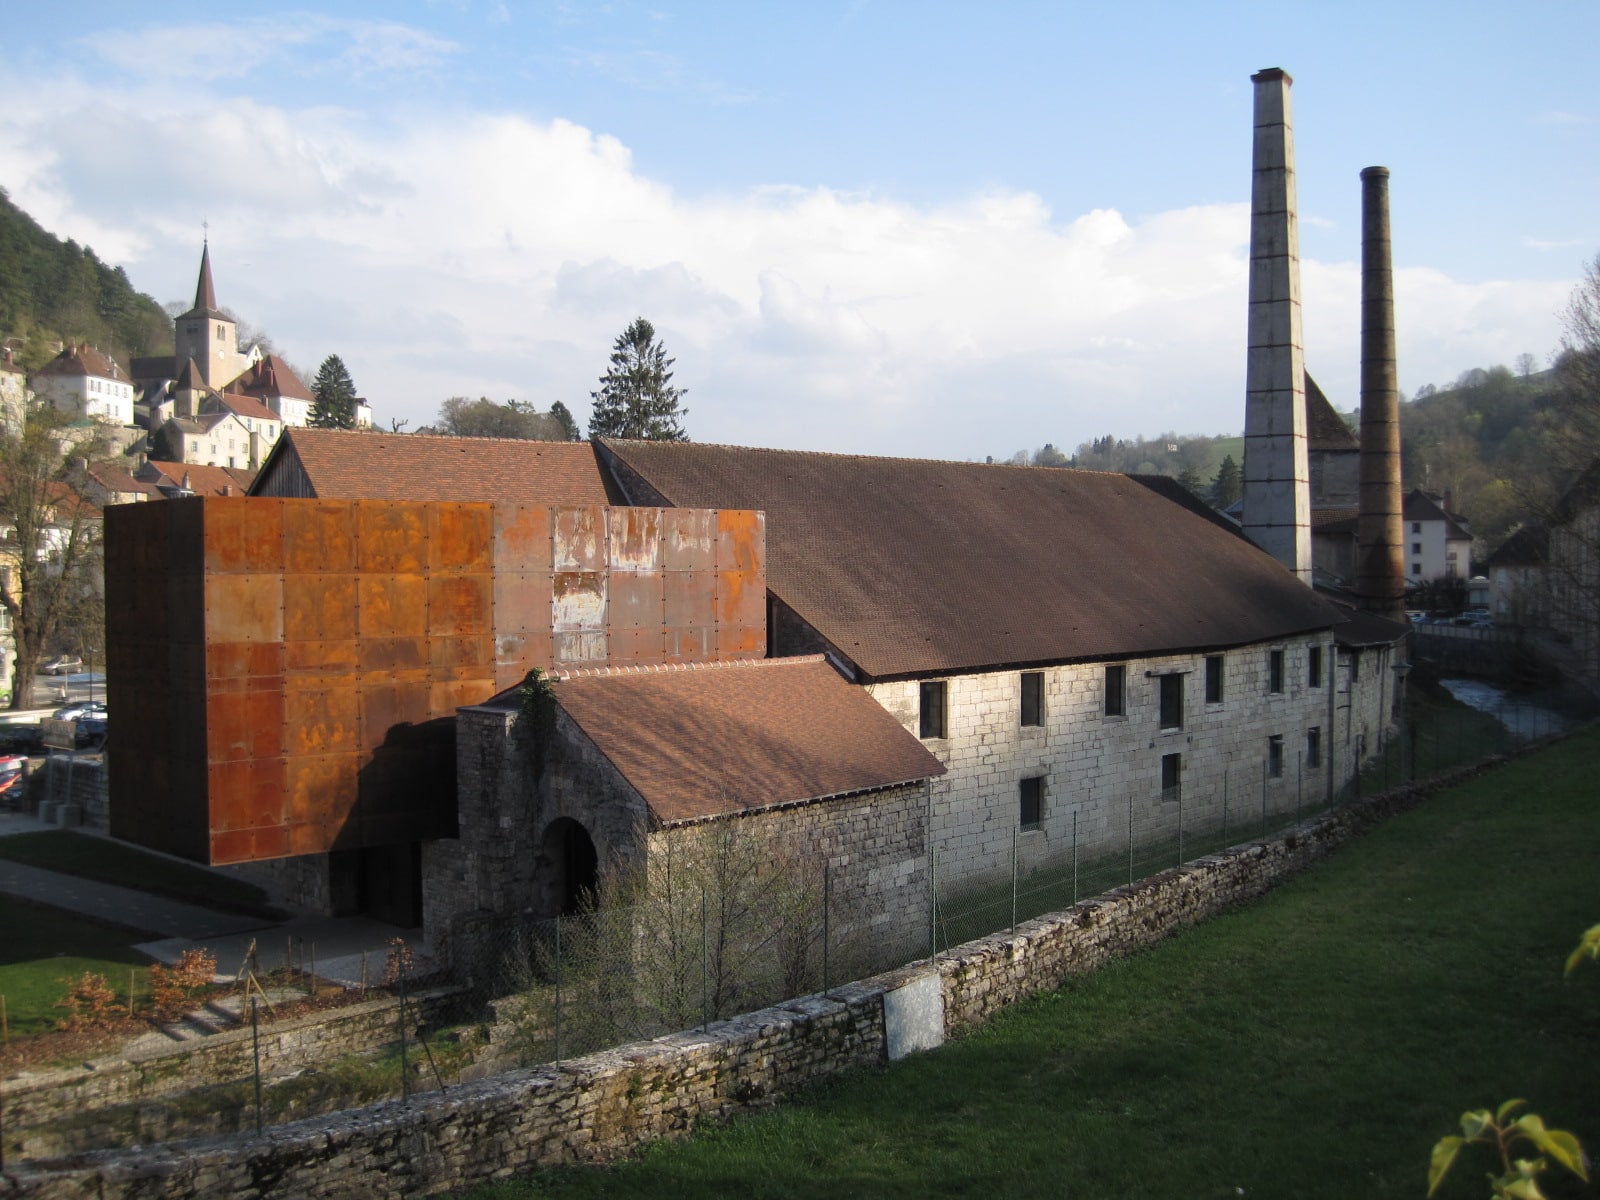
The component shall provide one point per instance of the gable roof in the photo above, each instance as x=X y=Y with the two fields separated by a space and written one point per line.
x=915 y=567
x=201 y=480
x=1527 y=547
x=240 y=406
x=346 y=464
x=713 y=739
x=271 y=376
x=1418 y=505
x=79 y=360
x=118 y=482
x=1325 y=428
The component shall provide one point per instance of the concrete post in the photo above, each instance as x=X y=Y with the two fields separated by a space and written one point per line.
x=1277 y=488
x=1380 y=569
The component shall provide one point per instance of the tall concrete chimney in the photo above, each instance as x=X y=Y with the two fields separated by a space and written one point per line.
x=1277 y=488
x=1380 y=561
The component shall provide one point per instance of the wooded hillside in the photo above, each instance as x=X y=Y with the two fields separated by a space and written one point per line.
x=53 y=290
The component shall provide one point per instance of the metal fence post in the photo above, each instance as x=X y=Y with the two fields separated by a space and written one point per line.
x=705 y=955
x=1225 y=769
x=1074 y=856
x=827 y=907
x=1299 y=781
x=255 y=1050
x=1013 y=879
x=558 y=985
x=1263 y=800
x=1130 y=838
x=405 y=1067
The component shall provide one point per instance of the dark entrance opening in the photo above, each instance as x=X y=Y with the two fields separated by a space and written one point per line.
x=381 y=882
x=569 y=865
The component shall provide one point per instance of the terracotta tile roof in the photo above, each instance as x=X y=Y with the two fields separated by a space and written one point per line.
x=913 y=567
x=118 y=481
x=356 y=465
x=1325 y=428
x=242 y=406
x=203 y=481
x=271 y=376
x=1335 y=520
x=79 y=360
x=713 y=739
x=1369 y=629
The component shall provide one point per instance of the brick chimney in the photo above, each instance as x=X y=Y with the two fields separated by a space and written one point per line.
x=1380 y=532
x=1277 y=488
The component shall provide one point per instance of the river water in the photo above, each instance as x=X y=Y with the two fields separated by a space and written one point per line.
x=1524 y=719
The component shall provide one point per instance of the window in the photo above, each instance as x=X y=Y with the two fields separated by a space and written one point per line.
x=1275 y=756
x=1116 y=687
x=1172 y=701
x=1033 y=697
x=1171 y=776
x=1030 y=807
x=931 y=719
x=1214 y=679
x=1416 y=547
x=1314 y=747
x=1275 y=672
x=1416 y=527
x=1416 y=568
x=1314 y=667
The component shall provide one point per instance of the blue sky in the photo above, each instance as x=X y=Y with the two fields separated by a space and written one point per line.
x=944 y=230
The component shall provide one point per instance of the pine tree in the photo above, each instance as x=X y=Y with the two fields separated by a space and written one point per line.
x=1228 y=486
x=636 y=397
x=569 y=426
x=335 y=396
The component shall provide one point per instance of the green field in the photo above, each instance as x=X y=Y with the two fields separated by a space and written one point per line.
x=1315 y=1044
x=41 y=948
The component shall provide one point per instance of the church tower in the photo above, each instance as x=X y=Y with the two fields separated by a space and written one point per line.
x=208 y=335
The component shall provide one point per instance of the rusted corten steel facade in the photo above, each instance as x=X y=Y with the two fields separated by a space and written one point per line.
x=286 y=672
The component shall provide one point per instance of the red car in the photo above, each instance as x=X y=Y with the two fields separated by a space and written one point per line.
x=11 y=773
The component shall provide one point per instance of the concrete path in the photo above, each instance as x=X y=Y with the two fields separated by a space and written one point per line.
x=344 y=947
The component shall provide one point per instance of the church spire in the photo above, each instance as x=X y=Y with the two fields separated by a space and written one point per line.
x=205 y=296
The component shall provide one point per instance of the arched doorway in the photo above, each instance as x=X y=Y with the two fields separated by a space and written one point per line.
x=569 y=864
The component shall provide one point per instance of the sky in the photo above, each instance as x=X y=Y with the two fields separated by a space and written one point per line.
x=932 y=230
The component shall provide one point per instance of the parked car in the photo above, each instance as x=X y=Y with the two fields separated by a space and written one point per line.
x=11 y=768
x=21 y=739
x=74 y=712
x=61 y=664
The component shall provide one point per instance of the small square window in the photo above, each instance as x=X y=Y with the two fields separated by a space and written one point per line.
x=1172 y=701
x=1275 y=756
x=1033 y=697
x=1116 y=688
x=1030 y=808
x=1416 y=527
x=1416 y=547
x=1275 y=672
x=1171 y=776
x=1416 y=568
x=931 y=723
x=1214 y=679
x=1314 y=667
x=1313 y=747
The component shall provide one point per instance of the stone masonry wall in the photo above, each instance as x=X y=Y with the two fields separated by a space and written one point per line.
x=1099 y=770
x=607 y=1104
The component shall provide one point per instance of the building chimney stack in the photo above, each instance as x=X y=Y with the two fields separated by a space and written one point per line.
x=1380 y=569
x=1277 y=488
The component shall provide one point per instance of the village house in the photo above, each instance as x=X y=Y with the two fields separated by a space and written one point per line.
x=83 y=382
x=1438 y=543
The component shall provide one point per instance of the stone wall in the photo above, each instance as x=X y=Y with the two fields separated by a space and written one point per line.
x=1100 y=770
x=607 y=1104
x=76 y=779
x=47 y=1101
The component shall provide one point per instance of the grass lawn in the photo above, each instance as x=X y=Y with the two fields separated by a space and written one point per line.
x=40 y=947
x=102 y=859
x=1315 y=1044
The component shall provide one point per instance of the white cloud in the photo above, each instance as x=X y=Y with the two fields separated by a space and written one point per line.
x=469 y=253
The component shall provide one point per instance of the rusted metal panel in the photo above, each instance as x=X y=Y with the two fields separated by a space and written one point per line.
x=691 y=645
x=459 y=604
x=741 y=642
x=690 y=598
x=637 y=646
x=322 y=721
x=521 y=538
x=244 y=608
x=460 y=537
x=245 y=538
x=301 y=658
x=689 y=539
x=578 y=649
x=318 y=608
x=579 y=601
x=522 y=601
x=578 y=539
x=391 y=606
x=391 y=537
x=741 y=598
x=319 y=537
x=471 y=654
x=523 y=651
x=242 y=661
x=637 y=600
x=741 y=537
x=633 y=539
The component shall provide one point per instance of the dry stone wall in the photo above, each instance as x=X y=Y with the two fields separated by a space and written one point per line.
x=606 y=1104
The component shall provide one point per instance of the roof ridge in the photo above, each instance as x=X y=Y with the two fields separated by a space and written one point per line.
x=572 y=673
x=444 y=437
x=895 y=458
